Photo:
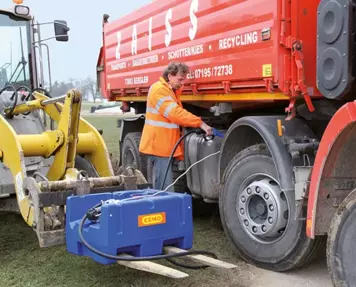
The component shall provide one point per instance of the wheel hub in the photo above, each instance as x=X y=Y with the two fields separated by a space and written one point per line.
x=262 y=209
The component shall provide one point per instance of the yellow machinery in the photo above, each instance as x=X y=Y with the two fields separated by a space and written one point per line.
x=41 y=203
x=41 y=166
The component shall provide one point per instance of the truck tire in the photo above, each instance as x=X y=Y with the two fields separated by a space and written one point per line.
x=258 y=217
x=131 y=155
x=341 y=243
x=181 y=186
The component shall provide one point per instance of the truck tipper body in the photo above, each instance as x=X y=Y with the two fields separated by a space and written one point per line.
x=237 y=51
x=277 y=78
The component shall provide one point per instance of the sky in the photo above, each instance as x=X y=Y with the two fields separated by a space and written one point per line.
x=77 y=58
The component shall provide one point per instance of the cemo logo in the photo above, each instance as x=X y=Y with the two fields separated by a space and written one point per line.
x=151 y=219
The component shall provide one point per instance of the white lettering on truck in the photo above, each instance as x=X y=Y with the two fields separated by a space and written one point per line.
x=134 y=40
x=118 y=36
x=186 y=52
x=118 y=66
x=239 y=40
x=150 y=34
x=136 y=80
x=168 y=36
x=193 y=18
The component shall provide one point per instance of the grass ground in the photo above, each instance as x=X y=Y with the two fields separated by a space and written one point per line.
x=110 y=131
x=23 y=263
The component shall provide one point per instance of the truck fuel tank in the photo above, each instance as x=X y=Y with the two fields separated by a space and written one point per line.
x=202 y=179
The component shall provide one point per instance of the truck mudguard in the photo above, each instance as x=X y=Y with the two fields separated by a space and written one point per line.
x=334 y=174
x=251 y=130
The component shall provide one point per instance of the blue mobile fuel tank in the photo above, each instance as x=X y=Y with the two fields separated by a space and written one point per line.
x=139 y=223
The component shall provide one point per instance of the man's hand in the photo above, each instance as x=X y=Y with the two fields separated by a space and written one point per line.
x=207 y=129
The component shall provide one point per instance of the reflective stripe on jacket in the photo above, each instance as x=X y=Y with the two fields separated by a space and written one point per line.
x=164 y=116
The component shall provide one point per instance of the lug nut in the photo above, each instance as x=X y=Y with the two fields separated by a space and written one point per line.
x=249 y=191
x=271 y=207
x=242 y=211
x=258 y=189
x=254 y=229
x=246 y=222
x=270 y=220
x=266 y=196
x=243 y=199
x=264 y=228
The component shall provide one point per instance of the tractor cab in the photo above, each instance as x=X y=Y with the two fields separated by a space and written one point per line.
x=23 y=56
x=23 y=51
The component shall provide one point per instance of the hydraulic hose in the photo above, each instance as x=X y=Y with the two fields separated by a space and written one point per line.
x=14 y=97
x=90 y=214
x=7 y=87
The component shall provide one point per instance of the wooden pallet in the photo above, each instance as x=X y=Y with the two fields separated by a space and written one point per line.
x=149 y=266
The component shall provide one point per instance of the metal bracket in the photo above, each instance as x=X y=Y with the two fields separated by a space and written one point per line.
x=138 y=92
x=302 y=181
x=269 y=84
x=301 y=86
x=195 y=89
x=221 y=108
x=302 y=176
x=227 y=87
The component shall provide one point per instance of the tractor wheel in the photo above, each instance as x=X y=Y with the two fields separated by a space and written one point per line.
x=82 y=163
x=258 y=217
x=341 y=243
x=131 y=155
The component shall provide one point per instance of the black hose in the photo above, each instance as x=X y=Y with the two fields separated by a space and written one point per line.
x=6 y=87
x=193 y=267
x=15 y=95
x=125 y=258
x=12 y=88
x=174 y=150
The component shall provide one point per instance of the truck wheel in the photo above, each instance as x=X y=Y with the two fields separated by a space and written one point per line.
x=131 y=155
x=181 y=186
x=341 y=243
x=258 y=217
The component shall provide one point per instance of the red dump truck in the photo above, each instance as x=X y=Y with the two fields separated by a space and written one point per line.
x=277 y=77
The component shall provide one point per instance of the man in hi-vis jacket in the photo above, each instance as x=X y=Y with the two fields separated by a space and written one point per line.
x=164 y=117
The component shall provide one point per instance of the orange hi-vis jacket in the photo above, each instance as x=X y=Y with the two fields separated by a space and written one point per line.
x=164 y=116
